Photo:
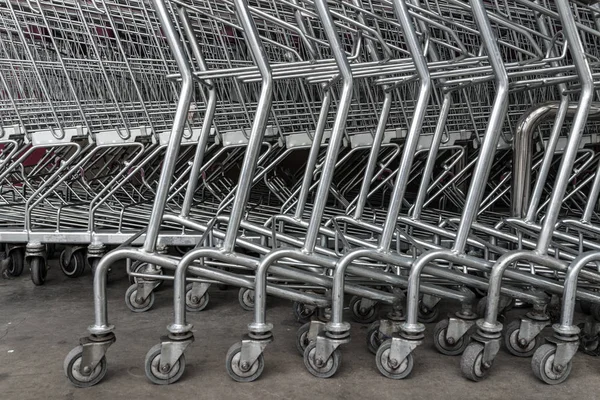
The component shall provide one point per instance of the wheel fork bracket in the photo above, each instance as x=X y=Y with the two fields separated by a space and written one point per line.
x=252 y=349
x=565 y=350
x=171 y=350
x=325 y=346
x=530 y=329
x=93 y=351
x=401 y=348
x=199 y=289
x=457 y=327
x=430 y=301
x=144 y=288
x=491 y=347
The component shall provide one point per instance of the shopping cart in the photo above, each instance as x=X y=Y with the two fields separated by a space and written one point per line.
x=405 y=118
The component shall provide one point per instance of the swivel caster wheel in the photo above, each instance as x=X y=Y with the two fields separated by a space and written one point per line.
x=516 y=347
x=392 y=368
x=16 y=262
x=427 y=315
x=374 y=337
x=133 y=305
x=246 y=299
x=543 y=366
x=168 y=374
x=73 y=267
x=243 y=373
x=471 y=363
x=321 y=368
x=303 y=312
x=442 y=344
x=360 y=314
x=71 y=368
x=193 y=303
x=37 y=267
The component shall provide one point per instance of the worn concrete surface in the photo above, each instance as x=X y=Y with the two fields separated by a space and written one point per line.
x=40 y=325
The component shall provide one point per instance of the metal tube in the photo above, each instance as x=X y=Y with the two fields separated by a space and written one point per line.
x=258 y=126
x=337 y=131
x=313 y=155
x=179 y=121
x=523 y=145
x=570 y=285
x=585 y=102
x=492 y=133
x=412 y=139
x=211 y=106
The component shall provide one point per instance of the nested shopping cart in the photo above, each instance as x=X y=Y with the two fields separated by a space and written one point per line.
x=401 y=152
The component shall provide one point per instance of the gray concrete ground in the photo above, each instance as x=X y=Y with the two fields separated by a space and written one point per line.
x=40 y=325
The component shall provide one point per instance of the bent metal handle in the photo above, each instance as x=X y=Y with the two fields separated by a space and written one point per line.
x=339 y=125
x=258 y=126
x=492 y=133
x=585 y=102
x=181 y=113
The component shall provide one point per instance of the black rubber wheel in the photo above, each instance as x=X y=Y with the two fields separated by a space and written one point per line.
x=135 y=306
x=361 y=315
x=374 y=337
x=303 y=312
x=37 y=267
x=235 y=370
x=152 y=368
x=73 y=267
x=511 y=341
x=329 y=367
x=246 y=299
x=195 y=304
x=16 y=262
x=385 y=366
x=471 y=362
x=441 y=343
x=543 y=368
x=302 y=340
x=427 y=315
x=71 y=368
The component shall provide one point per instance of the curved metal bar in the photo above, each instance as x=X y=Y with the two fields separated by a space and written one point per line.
x=179 y=121
x=209 y=114
x=585 y=101
x=258 y=126
x=492 y=134
x=495 y=279
x=570 y=292
x=523 y=145
x=412 y=139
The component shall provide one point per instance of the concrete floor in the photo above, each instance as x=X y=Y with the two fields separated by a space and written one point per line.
x=40 y=325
